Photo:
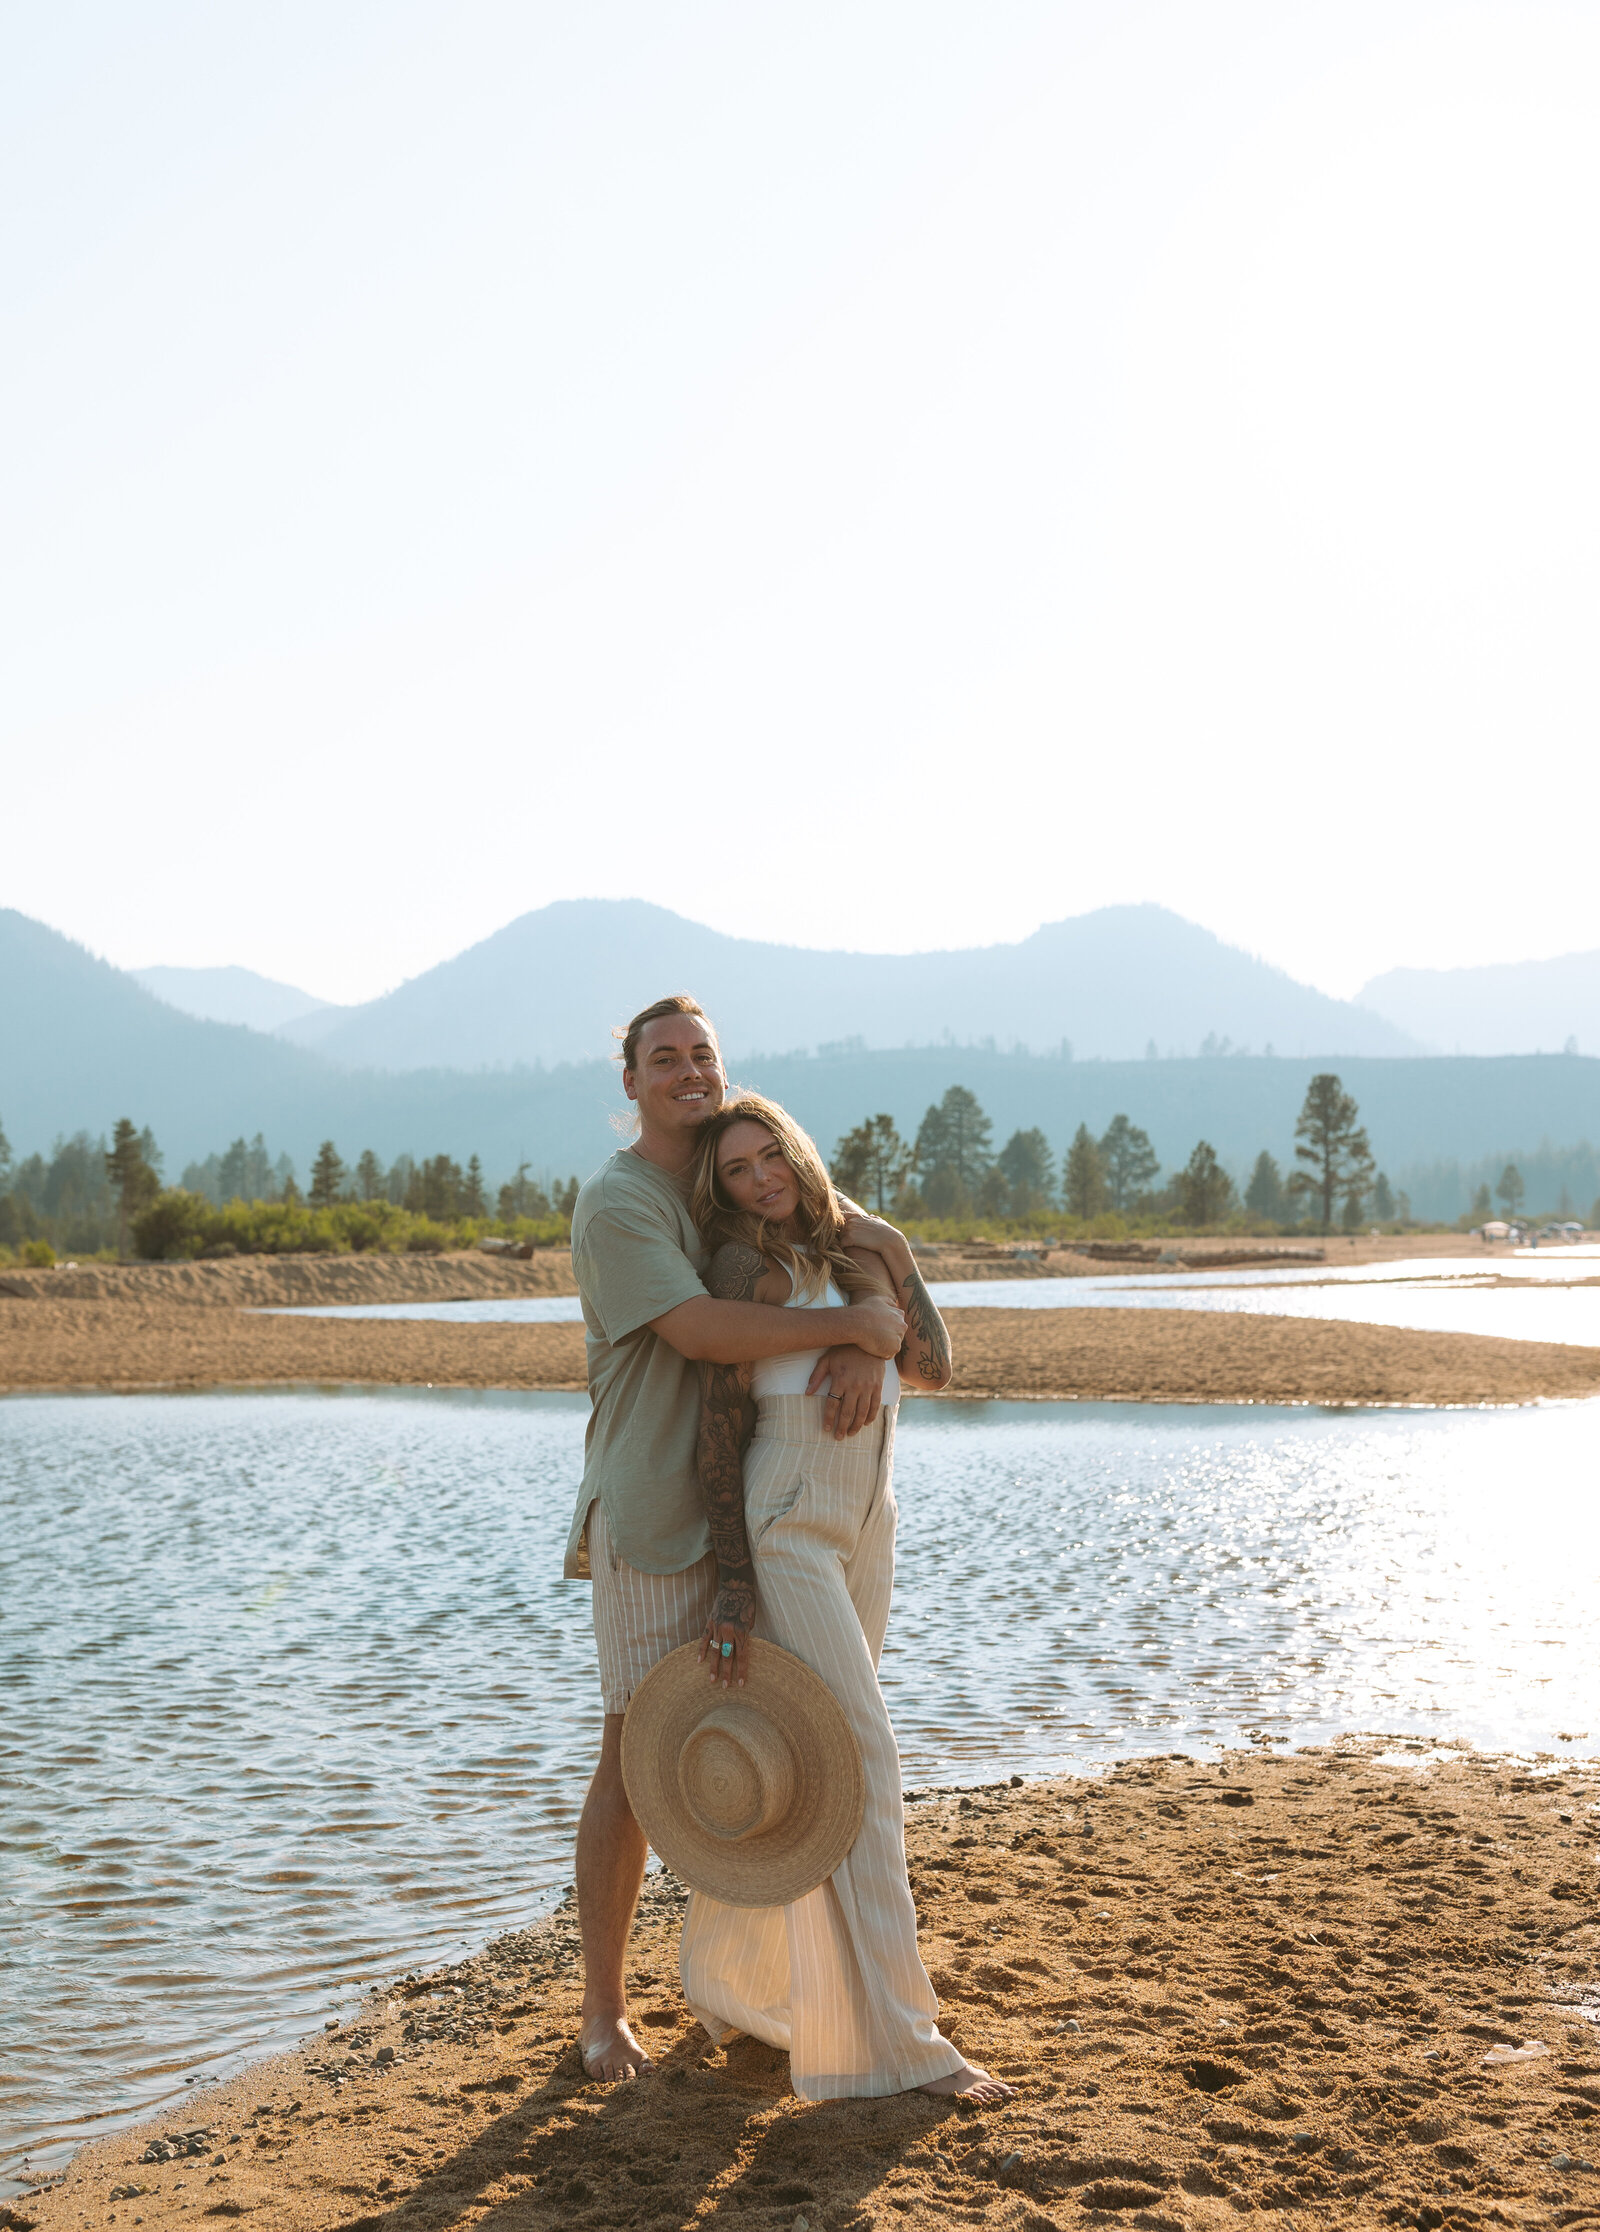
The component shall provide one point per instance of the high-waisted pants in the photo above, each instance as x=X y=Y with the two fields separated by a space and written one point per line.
x=835 y=1978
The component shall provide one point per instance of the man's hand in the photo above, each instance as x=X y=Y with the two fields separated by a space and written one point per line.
x=733 y=1615
x=878 y=1326
x=855 y=1389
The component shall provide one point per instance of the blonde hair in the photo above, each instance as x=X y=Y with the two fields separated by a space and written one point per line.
x=821 y=1253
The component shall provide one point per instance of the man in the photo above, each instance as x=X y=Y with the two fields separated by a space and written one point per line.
x=640 y=1529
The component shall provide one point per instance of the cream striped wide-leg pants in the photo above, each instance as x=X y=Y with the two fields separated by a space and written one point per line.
x=836 y=1978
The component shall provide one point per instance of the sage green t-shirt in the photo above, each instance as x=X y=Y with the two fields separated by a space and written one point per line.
x=637 y=1255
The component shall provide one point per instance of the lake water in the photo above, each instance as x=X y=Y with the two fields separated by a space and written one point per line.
x=295 y=1699
x=1428 y=1295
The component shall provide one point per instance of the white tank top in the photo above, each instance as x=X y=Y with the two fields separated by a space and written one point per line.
x=787 y=1375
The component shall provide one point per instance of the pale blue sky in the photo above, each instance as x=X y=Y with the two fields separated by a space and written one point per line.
x=882 y=475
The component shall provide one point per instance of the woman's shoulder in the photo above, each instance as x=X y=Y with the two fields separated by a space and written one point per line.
x=737 y=1273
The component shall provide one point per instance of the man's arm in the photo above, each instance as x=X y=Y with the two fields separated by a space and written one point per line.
x=710 y=1330
x=727 y=1416
x=727 y=1419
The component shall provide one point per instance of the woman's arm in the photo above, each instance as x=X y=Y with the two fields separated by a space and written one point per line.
x=924 y=1362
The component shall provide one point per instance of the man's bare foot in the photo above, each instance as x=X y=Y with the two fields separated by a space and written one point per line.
x=611 y=2053
x=969 y=2082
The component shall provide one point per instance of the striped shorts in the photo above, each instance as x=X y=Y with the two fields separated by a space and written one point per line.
x=640 y=1617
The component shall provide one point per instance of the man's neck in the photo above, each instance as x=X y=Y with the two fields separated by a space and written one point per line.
x=669 y=1151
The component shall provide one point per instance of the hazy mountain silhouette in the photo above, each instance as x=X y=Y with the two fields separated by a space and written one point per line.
x=82 y=1043
x=1511 y=1007
x=230 y=995
x=548 y=986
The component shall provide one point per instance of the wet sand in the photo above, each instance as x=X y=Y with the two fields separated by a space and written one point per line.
x=1274 y=1983
x=1111 y=1355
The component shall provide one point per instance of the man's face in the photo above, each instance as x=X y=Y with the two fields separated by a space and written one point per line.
x=677 y=1080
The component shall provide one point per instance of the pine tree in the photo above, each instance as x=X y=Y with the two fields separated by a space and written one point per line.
x=260 y=1182
x=1328 y=1139
x=566 y=1198
x=1028 y=1170
x=231 y=1172
x=522 y=1196
x=1083 y=1180
x=1128 y=1159
x=952 y=1152
x=474 y=1201
x=872 y=1163
x=438 y=1189
x=1482 y=1202
x=5 y=1158
x=1263 y=1197
x=1204 y=1187
x=955 y=1136
x=327 y=1176
x=132 y=1174
x=1382 y=1199
x=1511 y=1189
x=369 y=1177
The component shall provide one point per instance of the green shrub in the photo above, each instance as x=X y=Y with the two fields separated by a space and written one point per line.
x=173 y=1228
x=179 y=1226
x=38 y=1255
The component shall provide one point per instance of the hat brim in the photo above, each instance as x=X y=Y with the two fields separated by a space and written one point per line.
x=775 y=1866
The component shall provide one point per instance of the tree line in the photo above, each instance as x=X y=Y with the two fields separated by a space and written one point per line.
x=952 y=1171
x=92 y=1197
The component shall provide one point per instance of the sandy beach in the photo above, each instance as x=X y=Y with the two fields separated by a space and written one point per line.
x=199 y=1325
x=1274 y=1982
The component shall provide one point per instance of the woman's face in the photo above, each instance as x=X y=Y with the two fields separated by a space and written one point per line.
x=753 y=1173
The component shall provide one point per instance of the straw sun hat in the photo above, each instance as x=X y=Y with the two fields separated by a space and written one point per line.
x=752 y=1796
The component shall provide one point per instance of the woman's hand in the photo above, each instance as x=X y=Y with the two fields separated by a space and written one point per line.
x=727 y=1637
x=862 y=1231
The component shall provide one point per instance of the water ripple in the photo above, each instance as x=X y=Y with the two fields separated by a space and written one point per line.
x=295 y=1696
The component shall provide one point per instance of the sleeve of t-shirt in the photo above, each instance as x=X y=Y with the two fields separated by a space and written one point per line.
x=631 y=1269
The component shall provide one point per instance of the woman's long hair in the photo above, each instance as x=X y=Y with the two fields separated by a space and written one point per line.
x=820 y=1218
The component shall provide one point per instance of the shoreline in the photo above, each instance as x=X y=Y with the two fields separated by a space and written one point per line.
x=1262 y=1980
x=1081 y=1355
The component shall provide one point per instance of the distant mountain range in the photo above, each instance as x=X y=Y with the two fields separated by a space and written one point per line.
x=1110 y=985
x=1107 y=984
x=82 y=1043
x=230 y=995
x=1513 y=1007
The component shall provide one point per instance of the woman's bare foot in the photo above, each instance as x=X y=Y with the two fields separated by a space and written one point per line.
x=969 y=2082
x=611 y=2053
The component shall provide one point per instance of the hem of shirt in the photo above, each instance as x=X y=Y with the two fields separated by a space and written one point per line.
x=577 y=1542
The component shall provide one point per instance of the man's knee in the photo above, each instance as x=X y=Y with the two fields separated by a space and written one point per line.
x=607 y=1792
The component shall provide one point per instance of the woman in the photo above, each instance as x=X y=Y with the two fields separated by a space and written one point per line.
x=803 y=1527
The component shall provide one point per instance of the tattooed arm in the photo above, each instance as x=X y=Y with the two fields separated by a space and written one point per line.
x=727 y=1416
x=924 y=1362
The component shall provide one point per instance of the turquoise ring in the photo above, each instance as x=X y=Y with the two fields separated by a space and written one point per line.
x=727 y=1650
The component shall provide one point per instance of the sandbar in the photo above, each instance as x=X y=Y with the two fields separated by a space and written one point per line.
x=1280 y=1982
